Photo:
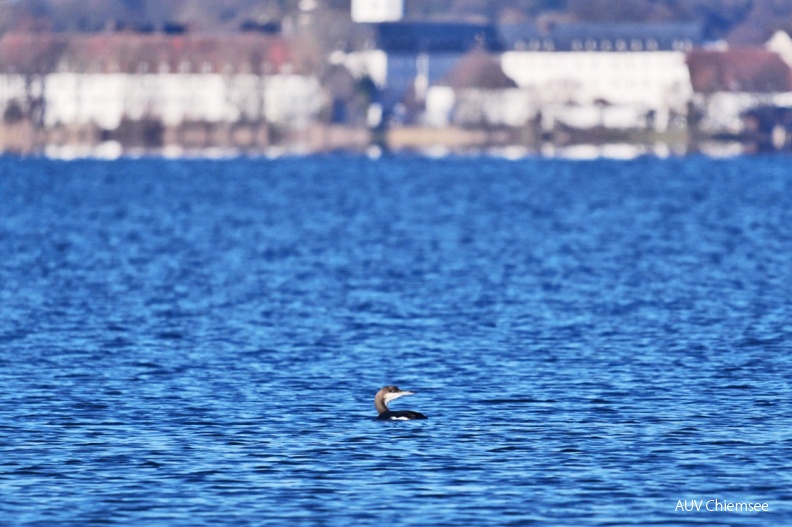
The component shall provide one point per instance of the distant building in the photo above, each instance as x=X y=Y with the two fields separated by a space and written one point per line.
x=377 y=10
x=756 y=71
x=611 y=75
x=576 y=75
x=408 y=57
x=729 y=83
x=105 y=79
x=781 y=43
x=476 y=93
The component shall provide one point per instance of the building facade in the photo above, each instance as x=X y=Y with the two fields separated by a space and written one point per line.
x=727 y=84
x=102 y=81
x=582 y=76
x=609 y=75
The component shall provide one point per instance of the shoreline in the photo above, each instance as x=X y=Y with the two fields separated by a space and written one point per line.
x=221 y=140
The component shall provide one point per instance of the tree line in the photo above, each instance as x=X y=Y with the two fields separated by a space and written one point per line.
x=740 y=22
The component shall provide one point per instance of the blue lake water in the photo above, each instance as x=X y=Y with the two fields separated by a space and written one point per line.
x=199 y=342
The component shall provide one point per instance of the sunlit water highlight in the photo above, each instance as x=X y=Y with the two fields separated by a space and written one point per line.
x=199 y=343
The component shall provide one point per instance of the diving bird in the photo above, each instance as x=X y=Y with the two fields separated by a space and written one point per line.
x=388 y=394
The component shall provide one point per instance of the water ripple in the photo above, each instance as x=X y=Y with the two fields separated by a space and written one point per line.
x=198 y=343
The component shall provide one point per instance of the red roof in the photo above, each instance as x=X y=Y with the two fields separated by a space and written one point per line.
x=739 y=70
x=139 y=53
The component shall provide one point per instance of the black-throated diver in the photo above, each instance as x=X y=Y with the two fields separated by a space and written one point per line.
x=386 y=395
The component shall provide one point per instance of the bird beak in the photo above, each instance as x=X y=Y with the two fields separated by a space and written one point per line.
x=391 y=396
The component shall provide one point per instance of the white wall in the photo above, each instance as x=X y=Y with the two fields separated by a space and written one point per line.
x=372 y=63
x=558 y=83
x=106 y=98
x=781 y=43
x=657 y=81
x=508 y=107
x=292 y=99
x=12 y=87
x=377 y=10
x=722 y=111
x=440 y=102
x=81 y=99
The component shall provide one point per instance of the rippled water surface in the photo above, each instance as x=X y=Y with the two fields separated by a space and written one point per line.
x=199 y=343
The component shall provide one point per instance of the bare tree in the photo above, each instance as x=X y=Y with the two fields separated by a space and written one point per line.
x=34 y=57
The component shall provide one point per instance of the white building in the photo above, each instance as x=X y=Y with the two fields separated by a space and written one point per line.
x=611 y=75
x=377 y=10
x=578 y=75
x=105 y=99
x=408 y=58
x=781 y=43
x=616 y=89
x=477 y=93
x=729 y=83
x=102 y=80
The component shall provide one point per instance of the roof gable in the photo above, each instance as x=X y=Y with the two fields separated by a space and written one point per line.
x=477 y=69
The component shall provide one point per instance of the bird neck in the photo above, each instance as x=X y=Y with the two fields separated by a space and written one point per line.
x=379 y=404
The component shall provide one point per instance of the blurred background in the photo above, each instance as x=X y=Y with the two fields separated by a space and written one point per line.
x=524 y=77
